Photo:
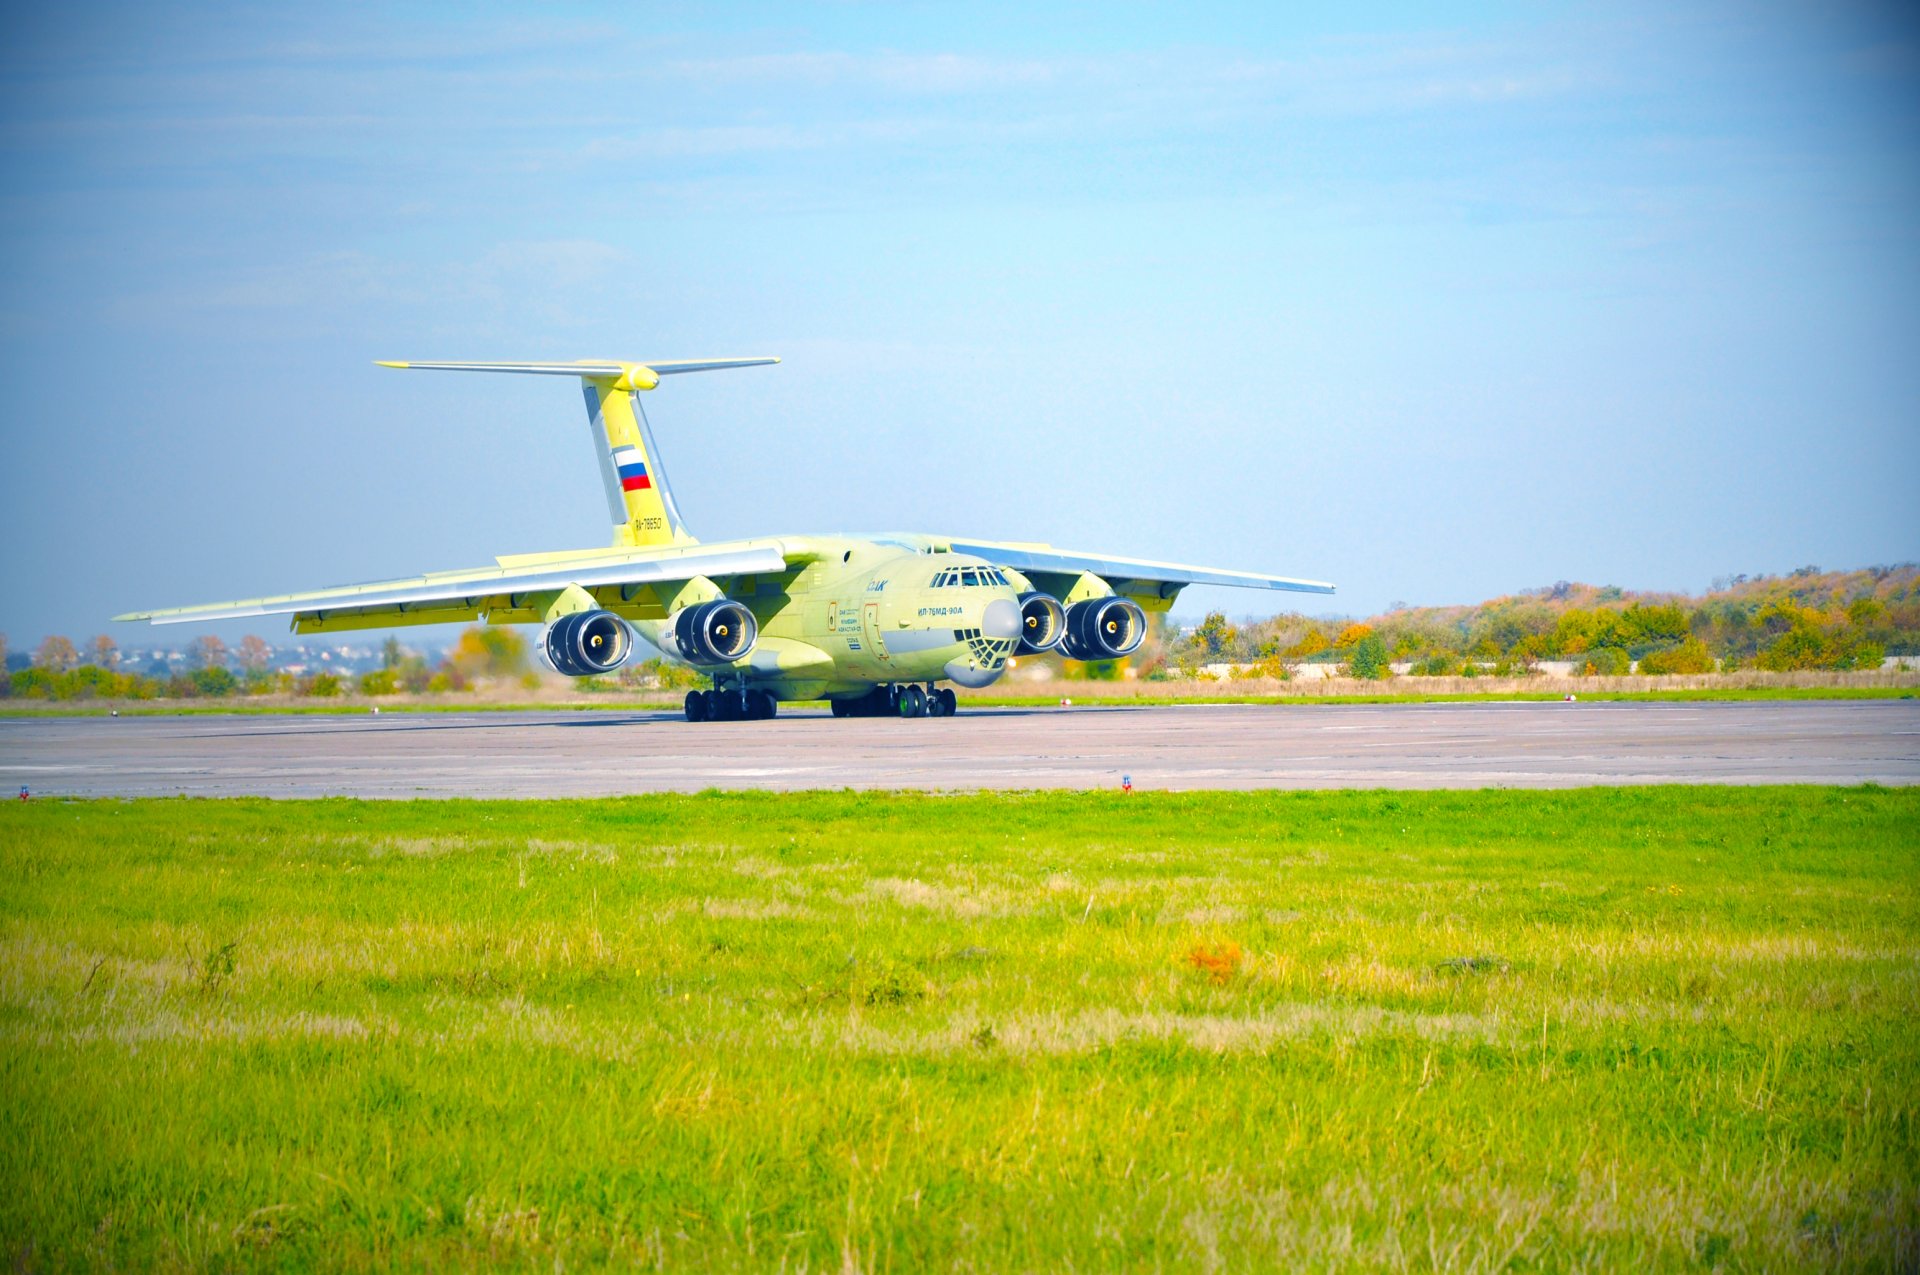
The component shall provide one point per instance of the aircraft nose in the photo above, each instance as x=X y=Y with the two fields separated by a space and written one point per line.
x=1002 y=619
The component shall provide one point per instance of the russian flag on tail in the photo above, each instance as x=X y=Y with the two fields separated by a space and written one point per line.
x=632 y=468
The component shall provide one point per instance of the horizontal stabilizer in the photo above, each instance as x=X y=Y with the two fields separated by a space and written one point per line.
x=636 y=376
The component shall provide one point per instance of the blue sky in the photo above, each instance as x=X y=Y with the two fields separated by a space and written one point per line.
x=1433 y=301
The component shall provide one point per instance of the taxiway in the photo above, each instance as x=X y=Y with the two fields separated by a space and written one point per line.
x=600 y=753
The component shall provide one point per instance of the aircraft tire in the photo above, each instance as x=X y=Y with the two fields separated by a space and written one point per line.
x=697 y=706
x=949 y=702
x=761 y=706
x=841 y=707
x=913 y=702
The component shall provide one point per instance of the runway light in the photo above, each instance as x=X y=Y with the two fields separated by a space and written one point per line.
x=1065 y=702
x=23 y=792
x=1126 y=784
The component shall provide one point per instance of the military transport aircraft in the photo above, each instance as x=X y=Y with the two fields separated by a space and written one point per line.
x=872 y=623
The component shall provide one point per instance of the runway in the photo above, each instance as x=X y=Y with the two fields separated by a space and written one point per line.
x=604 y=753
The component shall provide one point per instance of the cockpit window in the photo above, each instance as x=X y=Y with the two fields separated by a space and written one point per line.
x=969 y=577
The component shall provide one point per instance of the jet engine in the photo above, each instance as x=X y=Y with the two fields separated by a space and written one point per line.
x=716 y=632
x=1103 y=629
x=1043 y=622
x=588 y=642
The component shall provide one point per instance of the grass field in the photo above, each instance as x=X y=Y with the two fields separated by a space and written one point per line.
x=1665 y=1028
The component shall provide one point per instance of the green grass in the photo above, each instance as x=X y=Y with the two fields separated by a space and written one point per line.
x=1659 y=1029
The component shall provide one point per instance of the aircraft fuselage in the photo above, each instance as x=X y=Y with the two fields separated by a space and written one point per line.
x=865 y=613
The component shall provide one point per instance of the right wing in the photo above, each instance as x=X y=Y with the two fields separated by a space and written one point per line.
x=616 y=577
x=1166 y=577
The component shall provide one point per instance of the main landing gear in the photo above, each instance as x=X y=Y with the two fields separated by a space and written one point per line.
x=730 y=704
x=899 y=701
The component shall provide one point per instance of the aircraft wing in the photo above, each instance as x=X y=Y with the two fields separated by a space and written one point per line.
x=1036 y=559
x=456 y=595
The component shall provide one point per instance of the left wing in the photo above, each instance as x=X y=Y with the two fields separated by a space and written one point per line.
x=1126 y=575
x=615 y=577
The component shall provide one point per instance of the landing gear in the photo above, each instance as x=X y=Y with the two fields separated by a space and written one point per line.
x=898 y=701
x=730 y=704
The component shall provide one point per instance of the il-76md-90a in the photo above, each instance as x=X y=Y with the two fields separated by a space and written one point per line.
x=874 y=624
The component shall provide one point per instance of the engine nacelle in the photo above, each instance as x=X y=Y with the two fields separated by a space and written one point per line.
x=1043 y=622
x=588 y=642
x=1103 y=629
x=716 y=632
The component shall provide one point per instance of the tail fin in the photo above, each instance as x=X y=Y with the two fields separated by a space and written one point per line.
x=638 y=498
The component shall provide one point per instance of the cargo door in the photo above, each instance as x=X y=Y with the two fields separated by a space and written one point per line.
x=870 y=630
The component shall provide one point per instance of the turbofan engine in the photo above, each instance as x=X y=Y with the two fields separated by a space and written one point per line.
x=588 y=642
x=1043 y=622
x=716 y=632
x=1103 y=629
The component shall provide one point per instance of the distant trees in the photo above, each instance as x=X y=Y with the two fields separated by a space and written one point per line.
x=1822 y=620
x=56 y=654
x=1691 y=656
x=105 y=652
x=207 y=651
x=254 y=654
x=489 y=651
x=1368 y=659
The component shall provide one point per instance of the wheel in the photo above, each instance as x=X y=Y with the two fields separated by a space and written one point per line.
x=913 y=702
x=761 y=706
x=697 y=708
x=841 y=707
x=949 y=702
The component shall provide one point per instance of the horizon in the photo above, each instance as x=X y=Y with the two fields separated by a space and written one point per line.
x=431 y=638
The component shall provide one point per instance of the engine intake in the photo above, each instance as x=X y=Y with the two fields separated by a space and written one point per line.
x=588 y=642
x=1043 y=622
x=716 y=632
x=1103 y=629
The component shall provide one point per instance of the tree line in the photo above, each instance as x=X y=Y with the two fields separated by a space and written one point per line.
x=1807 y=620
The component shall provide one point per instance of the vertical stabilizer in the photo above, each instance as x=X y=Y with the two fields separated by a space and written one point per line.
x=638 y=498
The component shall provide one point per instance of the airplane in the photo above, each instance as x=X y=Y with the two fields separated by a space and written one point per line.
x=871 y=623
